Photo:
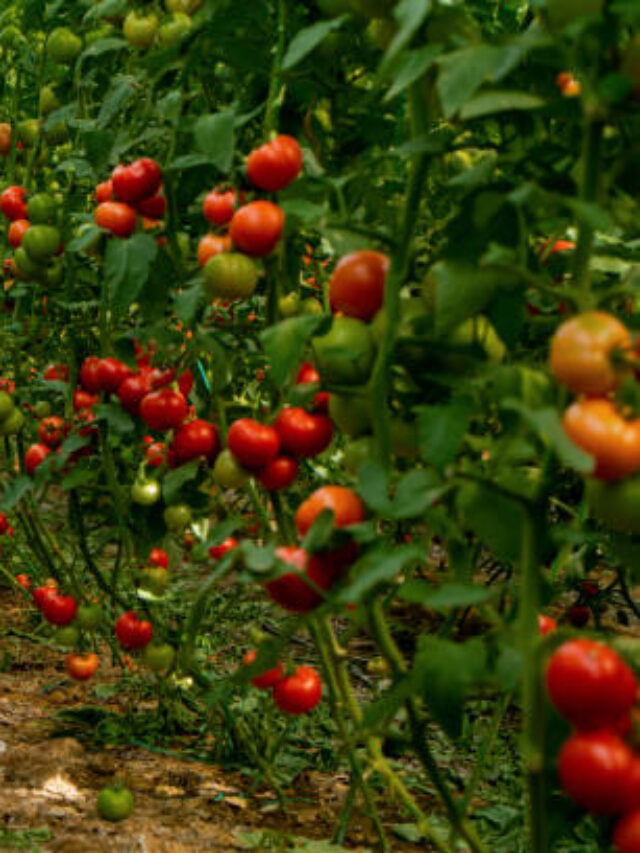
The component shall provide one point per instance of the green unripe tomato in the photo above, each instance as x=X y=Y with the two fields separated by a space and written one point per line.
x=289 y=305
x=230 y=276
x=57 y=134
x=359 y=451
x=89 y=616
x=42 y=209
x=476 y=331
x=13 y=424
x=48 y=100
x=351 y=415
x=228 y=474
x=155 y=580
x=145 y=492
x=7 y=406
x=115 y=803
x=29 y=131
x=174 y=30
x=617 y=504
x=26 y=266
x=311 y=306
x=177 y=517
x=140 y=30
x=344 y=355
x=42 y=409
x=54 y=275
x=159 y=657
x=67 y=637
x=63 y=46
x=40 y=242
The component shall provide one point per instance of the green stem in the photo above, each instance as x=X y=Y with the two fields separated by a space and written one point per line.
x=275 y=95
x=591 y=144
x=532 y=696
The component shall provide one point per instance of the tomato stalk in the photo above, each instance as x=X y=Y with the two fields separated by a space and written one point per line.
x=591 y=144
x=275 y=96
x=380 y=381
x=391 y=653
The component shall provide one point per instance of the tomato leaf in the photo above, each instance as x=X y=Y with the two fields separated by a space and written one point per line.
x=308 y=39
x=410 y=15
x=176 y=479
x=495 y=519
x=442 y=428
x=488 y=103
x=284 y=344
x=411 y=66
x=377 y=567
x=445 y=596
x=547 y=424
x=214 y=135
x=117 y=419
x=416 y=491
x=14 y=491
x=126 y=268
x=373 y=487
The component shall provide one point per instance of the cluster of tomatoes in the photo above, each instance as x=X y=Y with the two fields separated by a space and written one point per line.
x=132 y=190
x=145 y=30
x=34 y=235
x=596 y=691
x=253 y=229
x=592 y=355
x=297 y=693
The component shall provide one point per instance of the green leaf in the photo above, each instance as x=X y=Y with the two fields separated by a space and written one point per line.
x=14 y=491
x=416 y=492
x=410 y=15
x=126 y=268
x=186 y=303
x=79 y=476
x=319 y=534
x=462 y=72
x=117 y=419
x=445 y=672
x=495 y=519
x=83 y=240
x=547 y=424
x=373 y=487
x=464 y=290
x=115 y=100
x=411 y=66
x=259 y=559
x=174 y=480
x=443 y=597
x=488 y=103
x=379 y=566
x=308 y=39
x=103 y=46
x=442 y=428
x=215 y=136
x=284 y=344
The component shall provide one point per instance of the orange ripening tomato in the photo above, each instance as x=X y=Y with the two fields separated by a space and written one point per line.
x=117 y=217
x=81 y=667
x=582 y=349
x=211 y=245
x=5 y=139
x=598 y=429
x=344 y=503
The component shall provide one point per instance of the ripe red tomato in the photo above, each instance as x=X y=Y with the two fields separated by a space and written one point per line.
x=51 y=431
x=308 y=375
x=158 y=557
x=39 y=594
x=291 y=590
x=132 y=390
x=626 y=836
x=156 y=454
x=23 y=580
x=133 y=633
x=590 y=684
x=257 y=227
x=111 y=372
x=546 y=624
x=89 y=376
x=59 y=609
x=138 y=181
x=298 y=693
x=357 y=285
x=276 y=164
x=253 y=444
x=81 y=667
x=12 y=203
x=280 y=473
x=83 y=400
x=345 y=504
x=163 y=409
x=195 y=439
x=211 y=245
x=117 y=217
x=104 y=192
x=17 y=230
x=217 y=552
x=34 y=457
x=154 y=207
x=4 y=523
x=593 y=769
x=303 y=434
x=267 y=679
x=56 y=373
x=219 y=207
x=185 y=382
x=581 y=351
x=597 y=428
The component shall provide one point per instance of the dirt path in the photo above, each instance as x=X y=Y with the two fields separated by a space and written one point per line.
x=49 y=785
